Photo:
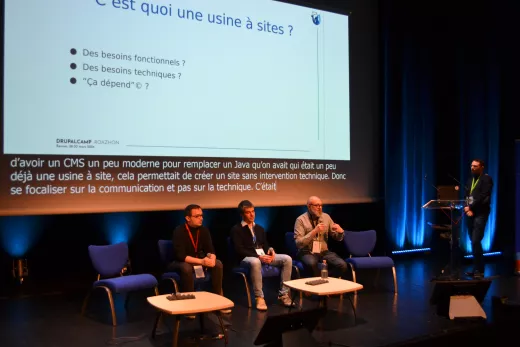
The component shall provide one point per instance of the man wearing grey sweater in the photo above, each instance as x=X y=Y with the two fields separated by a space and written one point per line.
x=311 y=233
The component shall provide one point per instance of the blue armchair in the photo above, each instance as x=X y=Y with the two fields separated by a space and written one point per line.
x=166 y=254
x=267 y=270
x=109 y=262
x=292 y=251
x=360 y=244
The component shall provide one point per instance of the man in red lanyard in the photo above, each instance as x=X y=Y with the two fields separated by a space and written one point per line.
x=193 y=252
x=252 y=251
x=478 y=196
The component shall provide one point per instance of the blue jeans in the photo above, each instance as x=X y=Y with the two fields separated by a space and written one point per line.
x=476 y=226
x=280 y=260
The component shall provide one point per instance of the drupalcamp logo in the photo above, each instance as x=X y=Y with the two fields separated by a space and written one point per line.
x=83 y=143
x=316 y=18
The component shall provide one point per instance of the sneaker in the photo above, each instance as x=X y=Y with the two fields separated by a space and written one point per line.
x=260 y=304
x=286 y=300
x=226 y=311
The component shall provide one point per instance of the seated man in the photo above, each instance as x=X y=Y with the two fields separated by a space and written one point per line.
x=311 y=233
x=194 y=252
x=253 y=250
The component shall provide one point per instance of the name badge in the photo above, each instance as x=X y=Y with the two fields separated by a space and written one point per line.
x=470 y=200
x=199 y=271
x=260 y=251
x=316 y=247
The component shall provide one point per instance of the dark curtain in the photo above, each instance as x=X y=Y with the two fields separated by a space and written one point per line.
x=447 y=75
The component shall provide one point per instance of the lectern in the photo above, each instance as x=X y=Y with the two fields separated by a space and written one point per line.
x=453 y=209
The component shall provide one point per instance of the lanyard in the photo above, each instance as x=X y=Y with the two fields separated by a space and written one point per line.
x=314 y=223
x=252 y=230
x=474 y=184
x=195 y=244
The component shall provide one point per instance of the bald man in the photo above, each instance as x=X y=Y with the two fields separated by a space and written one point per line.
x=311 y=233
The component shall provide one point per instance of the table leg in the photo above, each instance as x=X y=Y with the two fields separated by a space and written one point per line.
x=293 y=296
x=219 y=316
x=323 y=301
x=210 y=336
x=201 y=321
x=157 y=319
x=353 y=307
x=176 y=326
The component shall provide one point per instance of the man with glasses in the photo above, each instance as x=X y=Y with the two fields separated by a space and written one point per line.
x=311 y=233
x=478 y=196
x=194 y=252
x=252 y=251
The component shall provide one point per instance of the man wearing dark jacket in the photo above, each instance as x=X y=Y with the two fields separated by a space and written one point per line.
x=193 y=252
x=478 y=196
x=252 y=251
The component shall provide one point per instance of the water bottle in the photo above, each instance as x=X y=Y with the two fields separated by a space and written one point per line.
x=324 y=270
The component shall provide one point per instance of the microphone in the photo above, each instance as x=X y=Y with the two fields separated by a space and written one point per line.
x=426 y=180
x=456 y=180
x=320 y=220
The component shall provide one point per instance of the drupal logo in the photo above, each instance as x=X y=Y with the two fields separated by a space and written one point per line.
x=316 y=18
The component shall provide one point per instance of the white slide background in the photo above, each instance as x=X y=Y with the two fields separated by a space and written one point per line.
x=237 y=92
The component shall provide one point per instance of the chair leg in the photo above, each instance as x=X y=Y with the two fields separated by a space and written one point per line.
x=156 y=290
x=395 y=279
x=85 y=302
x=247 y=289
x=175 y=286
x=297 y=271
x=174 y=283
x=353 y=275
x=111 y=301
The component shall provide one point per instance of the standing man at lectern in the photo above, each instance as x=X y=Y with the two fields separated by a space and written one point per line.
x=311 y=233
x=478 y=196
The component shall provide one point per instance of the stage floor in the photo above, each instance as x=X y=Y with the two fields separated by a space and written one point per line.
x=52 y=318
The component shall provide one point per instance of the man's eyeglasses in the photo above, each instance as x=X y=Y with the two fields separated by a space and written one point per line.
x=316 y=205
x=196 y=216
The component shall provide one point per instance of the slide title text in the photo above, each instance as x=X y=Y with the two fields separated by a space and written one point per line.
x=167 y=10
